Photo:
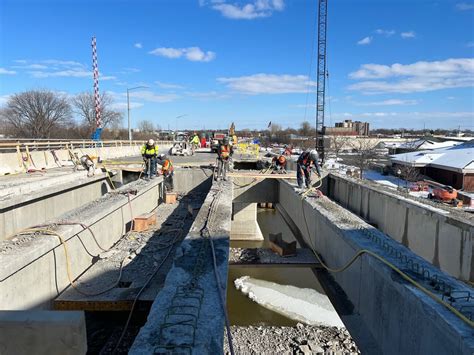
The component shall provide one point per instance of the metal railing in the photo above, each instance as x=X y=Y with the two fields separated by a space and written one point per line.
x=14 y=145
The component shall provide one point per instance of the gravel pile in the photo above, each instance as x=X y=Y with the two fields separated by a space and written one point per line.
x=301 y=339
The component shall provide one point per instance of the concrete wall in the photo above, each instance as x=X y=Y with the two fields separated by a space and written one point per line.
x=33 y=270
x=387 y=315
x=247 y=190
x=444 y=240
x=187 y=179
x=244 y=222
x=26 y=210
x=42 y=333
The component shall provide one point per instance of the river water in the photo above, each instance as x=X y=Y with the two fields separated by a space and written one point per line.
x=242 y=310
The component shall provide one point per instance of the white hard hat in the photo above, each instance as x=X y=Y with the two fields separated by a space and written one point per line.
x=151 y=142
x=314 y=155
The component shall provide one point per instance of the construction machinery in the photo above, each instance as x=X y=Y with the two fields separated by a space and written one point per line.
x=321 y=77
x=443 y=193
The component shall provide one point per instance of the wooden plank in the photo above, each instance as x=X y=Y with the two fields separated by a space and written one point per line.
x=265 y=257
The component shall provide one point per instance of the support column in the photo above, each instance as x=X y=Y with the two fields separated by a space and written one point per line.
x=244 y=222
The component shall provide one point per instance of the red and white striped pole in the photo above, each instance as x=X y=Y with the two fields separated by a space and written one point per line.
x=95 y=66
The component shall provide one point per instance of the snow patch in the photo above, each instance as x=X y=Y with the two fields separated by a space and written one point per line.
x=301 y=304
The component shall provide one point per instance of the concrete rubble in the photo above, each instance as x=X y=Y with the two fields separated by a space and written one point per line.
x=300 y=339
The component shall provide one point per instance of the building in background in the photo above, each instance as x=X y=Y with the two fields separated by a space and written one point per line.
x=348 y=128
x=453 y=166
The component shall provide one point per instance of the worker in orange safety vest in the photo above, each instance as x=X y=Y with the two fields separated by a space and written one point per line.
x=167 y=170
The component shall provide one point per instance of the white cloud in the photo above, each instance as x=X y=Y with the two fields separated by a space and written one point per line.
x=417 y=77
x=464 y=6
x=387 y=33
x=51 y=68
x=147 y=95
x=168 y=85
x=194 y=54
x=268 y=84
x=31 y=66
x=409 y=34
x=247 y=11
x=207 y=95
x=365 y=41
x=4 y=99
x=389 y=102
x=138 y=45
x=7 y=72
x=130 y=70
x=69 y=74
x=414 y=115
x=124 y=106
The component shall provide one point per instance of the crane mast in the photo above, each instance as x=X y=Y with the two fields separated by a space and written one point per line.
x=321 y=77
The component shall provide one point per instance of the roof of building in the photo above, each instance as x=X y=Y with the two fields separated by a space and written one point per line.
x=457 y=158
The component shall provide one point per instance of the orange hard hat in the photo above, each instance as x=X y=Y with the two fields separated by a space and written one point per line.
x=281 y=159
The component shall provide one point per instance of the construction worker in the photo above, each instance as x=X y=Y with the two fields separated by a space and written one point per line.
x=149 y=152
x=224 y=153
x=88 y=164
x=167 y=171
x=279 y=164
x=194 y=142
x=203 y=141
x=303 y=167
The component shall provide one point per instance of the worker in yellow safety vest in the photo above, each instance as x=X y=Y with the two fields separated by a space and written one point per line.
x=167 y=170
x=194 y=143
x=149 y=153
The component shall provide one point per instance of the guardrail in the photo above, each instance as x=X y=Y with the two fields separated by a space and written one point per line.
x=14 y=145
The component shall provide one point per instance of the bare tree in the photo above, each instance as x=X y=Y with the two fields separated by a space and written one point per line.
x=84 y=107
x=36 y=113
x=363 y=154
x=146 y=126
x=337 y=144
x=306 y=129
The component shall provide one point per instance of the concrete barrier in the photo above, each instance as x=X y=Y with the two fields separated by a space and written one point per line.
x=29 y=208
x=443 y=239
x=14 y=163
x=33 y=269
x=42 y=333
x=386 y=314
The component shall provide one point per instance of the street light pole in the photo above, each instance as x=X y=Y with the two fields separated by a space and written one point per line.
x=128 y=115
x=128 y=109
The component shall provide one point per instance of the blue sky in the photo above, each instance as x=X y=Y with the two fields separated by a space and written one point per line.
x=393 y=63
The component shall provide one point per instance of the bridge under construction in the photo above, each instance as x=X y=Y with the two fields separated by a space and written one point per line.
x=114 y=264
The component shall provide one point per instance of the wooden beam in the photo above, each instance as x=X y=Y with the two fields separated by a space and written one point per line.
x=265 y=257
x=262 y=176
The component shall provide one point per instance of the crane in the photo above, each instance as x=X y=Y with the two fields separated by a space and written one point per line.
x=321 y=77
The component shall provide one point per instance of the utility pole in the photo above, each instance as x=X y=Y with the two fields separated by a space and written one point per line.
x=321 y=77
